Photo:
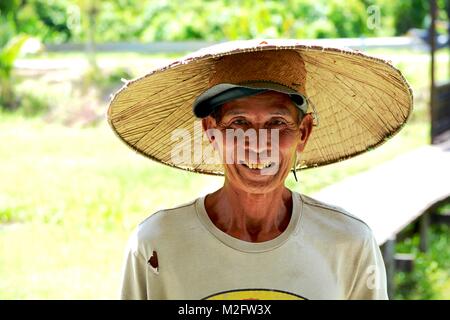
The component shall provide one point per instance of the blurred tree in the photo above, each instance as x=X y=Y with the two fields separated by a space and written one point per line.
x=90 y=9
x=351 y=21
x=45 y=19
x=8 y=20
x=122 y=20
x=53 y=15
x=410 y=14
x=8 y=10
x=8 y=55
x=56 y=21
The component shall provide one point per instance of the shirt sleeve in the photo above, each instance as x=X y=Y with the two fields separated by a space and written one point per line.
x=134 y=274
x=369 y=282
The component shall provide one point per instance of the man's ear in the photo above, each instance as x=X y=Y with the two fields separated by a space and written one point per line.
x=209 y=123
x=305 y=127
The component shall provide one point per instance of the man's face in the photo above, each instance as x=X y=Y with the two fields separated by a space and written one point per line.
x=273 y=113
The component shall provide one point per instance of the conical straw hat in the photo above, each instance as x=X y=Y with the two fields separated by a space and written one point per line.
x=358 y=101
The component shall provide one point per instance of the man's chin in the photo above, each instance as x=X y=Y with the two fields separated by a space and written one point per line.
x=258 y=188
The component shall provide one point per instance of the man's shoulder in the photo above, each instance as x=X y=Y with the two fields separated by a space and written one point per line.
x=336 y=219
x=168 y=213
x=167 y=220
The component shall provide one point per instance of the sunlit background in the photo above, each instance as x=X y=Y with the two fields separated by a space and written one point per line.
x=71 y=192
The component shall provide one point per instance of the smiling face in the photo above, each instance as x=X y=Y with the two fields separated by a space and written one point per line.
x=265 y=163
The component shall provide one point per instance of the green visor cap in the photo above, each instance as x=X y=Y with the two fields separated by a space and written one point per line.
x=222 y=93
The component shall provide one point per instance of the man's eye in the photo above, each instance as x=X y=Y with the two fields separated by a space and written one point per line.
x=239 y=122
x=277 y=122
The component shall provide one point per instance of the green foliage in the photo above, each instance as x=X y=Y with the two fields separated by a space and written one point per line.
x=218 y=20
x=431 y=274
x=54 y=17
x=410 y=14
x=50 y=20
x=349 y=22
x=56 y=21
x=7 y=21
x=33 y=105
x=8 y=55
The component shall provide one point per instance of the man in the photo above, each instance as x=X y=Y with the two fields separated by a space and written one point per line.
x=254 y=238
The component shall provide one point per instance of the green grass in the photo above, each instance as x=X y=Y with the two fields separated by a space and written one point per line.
x=84 y=177
x=46 y=261
x=69 y=200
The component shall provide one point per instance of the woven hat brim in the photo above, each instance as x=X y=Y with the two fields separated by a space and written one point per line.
x=361 y=101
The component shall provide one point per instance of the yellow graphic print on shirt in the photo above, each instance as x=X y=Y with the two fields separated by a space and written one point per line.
x=254 y=294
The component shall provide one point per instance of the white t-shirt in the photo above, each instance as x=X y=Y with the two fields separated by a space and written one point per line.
x=324 y=253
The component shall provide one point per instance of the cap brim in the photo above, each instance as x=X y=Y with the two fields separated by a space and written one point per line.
x=226 y=92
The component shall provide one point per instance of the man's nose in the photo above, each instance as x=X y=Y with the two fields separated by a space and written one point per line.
x=260 y=141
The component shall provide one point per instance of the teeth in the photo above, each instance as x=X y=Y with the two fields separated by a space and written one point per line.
x=258 y=165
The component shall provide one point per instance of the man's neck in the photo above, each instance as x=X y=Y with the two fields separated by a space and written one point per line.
x=249 y=216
